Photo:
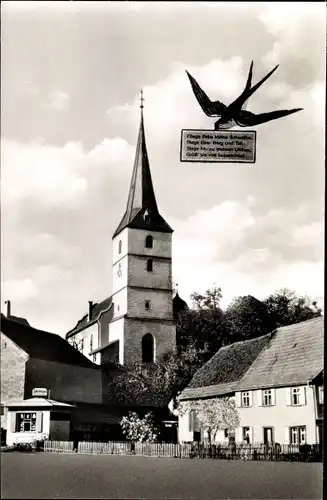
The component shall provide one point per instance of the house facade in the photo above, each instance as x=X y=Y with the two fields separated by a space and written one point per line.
x=276 y=382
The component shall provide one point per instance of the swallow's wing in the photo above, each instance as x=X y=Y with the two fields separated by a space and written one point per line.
x=248 y=119
x=257 y=85
x=247 y=92
x=248 y=85
x=211 y=108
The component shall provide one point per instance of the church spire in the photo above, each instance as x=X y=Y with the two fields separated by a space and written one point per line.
x=141 y=210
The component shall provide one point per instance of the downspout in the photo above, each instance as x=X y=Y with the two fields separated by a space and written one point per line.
x=315 y=407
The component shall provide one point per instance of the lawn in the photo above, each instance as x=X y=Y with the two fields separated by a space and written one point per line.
x=52 y=475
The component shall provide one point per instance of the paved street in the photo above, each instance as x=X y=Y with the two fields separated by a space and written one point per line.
x=54 y=475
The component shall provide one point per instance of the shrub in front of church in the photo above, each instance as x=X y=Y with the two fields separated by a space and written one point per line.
x=139 y=429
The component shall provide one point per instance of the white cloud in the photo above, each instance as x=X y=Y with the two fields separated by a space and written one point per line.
x=201 y=240
x=297 y=31
x=59 y=101
x=19 y=290
x=54 y=175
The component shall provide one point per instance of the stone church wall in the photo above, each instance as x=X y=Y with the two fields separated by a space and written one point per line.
x=163 y=332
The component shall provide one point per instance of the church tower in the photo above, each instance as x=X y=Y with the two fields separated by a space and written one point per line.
x=142 y=292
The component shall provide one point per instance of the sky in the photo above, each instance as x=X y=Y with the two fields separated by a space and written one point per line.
x=71 y=78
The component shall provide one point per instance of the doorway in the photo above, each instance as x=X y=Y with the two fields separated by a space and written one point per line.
x=268 y=435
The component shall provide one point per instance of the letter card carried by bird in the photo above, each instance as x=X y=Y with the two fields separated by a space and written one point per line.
x=222 y=144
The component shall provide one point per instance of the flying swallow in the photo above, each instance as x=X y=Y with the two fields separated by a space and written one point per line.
x=236 y=114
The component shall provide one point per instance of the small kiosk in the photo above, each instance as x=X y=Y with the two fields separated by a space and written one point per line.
x=38 y=418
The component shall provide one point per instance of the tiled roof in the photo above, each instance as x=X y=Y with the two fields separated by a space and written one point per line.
x=209 y=391
x=42 y=345
x=97 y=309
x=230 y=363
x=292 y=355
x=141 y=210
x=178 y=305
x=295 y=356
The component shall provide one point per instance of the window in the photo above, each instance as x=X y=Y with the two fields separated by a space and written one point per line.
x=94 y=358
x=91 y=343
x=26 y=422
x=245 y=399
x=149 y=265
x=147 y=305
x=2 y=410
x=148 y=354
x=321 y=395
x=149 y=242
x=246 y=434
x=80 y=345
x=146 y=216
x=298 y=435
x=120 y=246
x=295 y=396
x=226 y=433
x=194 y=424
x=267 y=398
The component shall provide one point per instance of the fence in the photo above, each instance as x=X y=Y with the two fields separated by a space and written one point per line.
x=192 y=450
x=59 y=446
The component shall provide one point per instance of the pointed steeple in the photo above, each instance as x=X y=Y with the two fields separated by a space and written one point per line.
x=141 y=210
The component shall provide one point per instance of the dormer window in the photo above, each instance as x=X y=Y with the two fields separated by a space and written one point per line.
x=149 y=241
x=147 y=305
x=120 y=246
x=146 y=216
x=149 y=265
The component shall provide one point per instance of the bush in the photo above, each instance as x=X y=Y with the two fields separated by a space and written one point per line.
x=26 y=447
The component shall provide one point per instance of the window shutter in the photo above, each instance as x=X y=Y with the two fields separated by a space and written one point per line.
x=287 y=435
x=259 y=397
x=303 y=396
x=250 y=398
x=251 y=435
x=238 y=435
x=238 y=399
x=13 y=421
x=273 y=397
x=39 y=421
x=288 y=396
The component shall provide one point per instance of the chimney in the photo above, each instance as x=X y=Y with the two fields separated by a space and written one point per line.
x=8 y=308
x=90 y=310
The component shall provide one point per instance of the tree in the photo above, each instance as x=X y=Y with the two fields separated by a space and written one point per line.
x=288 y=308
x=156 y=384
x=214 y=414
x=139 y=429
x=248 y=318
x=207 y=321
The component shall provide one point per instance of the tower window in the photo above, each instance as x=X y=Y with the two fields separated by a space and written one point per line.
x=148 y=354
x=149 y=241
x=146 y=216
x=149 y=265
x=91 y=343
x=119 y=246
x=147 y=305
